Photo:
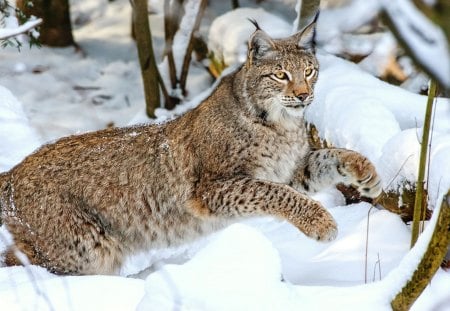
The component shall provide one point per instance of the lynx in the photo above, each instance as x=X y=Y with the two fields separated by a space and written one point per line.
x=83 y=204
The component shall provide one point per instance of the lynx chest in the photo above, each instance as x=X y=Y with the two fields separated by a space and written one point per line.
x=279 y=155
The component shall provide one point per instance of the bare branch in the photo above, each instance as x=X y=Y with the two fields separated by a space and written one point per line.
x=171 y=25
x=307 y=11
x=430 y=261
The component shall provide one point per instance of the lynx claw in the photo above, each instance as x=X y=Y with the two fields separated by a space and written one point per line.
x=361 y=174
x=371 y=188
x=326 y=234
x=329 y=236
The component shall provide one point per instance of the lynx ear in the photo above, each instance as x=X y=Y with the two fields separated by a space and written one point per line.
x=306 y=38
x=260 y=44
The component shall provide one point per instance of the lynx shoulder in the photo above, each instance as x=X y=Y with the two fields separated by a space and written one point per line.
x=83 y=204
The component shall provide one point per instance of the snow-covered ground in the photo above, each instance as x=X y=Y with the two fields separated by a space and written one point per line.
x=261 y=264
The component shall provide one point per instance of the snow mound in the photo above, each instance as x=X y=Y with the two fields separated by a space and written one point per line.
x=17 y=137
x=400 y=159
x=32 y=288
x=340 y=262
x=231 y=42
x=245 y=265
x=238 y=255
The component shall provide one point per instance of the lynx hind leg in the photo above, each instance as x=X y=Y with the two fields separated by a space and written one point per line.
x=76 y=248
x=21 y=250
x=20 y=254
x=84 y=260
x=359 y=172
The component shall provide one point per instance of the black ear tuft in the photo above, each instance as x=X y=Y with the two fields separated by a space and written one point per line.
x=306 y=39
x=316 y=17
x=314 y=22
x=260 y=44
x=255 y=23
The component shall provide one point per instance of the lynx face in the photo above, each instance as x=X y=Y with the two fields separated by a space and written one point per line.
x=295 y=86
x=281 y=73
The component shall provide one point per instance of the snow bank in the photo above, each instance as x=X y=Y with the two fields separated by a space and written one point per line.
x=240 y=269
x=334 y=25
x=231 y=42
x=17 y=137
x=235 y=268
x=34 y=289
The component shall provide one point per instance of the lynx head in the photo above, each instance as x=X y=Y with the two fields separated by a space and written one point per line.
x=280 y=73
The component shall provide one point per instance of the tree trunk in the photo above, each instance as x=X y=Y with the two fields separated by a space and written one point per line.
x=56 y=29
x=430 y=262
x=149 y=71
x=308 y=10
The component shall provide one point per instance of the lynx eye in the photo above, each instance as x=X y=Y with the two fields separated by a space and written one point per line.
x=281 y=75
x=309 y=72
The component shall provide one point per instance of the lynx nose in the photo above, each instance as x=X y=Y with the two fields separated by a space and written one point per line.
x=302 y=96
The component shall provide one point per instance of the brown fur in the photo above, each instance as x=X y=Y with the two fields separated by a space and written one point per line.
x=83 y=204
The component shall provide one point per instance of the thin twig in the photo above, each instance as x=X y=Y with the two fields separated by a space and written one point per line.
x=398 y=172
x=377 y=263
x=163 y=88
x=367 y=244
x=170 y=28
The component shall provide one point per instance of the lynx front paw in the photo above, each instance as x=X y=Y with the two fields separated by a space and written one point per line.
x=326 y=231
x=359 y=172
x=320 y=225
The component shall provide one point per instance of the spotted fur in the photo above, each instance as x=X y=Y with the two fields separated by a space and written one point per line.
x=83 y=204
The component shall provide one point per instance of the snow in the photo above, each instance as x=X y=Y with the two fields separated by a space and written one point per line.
x=380 y=55
x=298 y=7
x=181 y=39
x=180 y=44
x=260 y=264
x=297 y=251
x=426 y=40
x=235 y=51
x=18 y=138
x=334 y=25
x=33 y=288
x=238 y=246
